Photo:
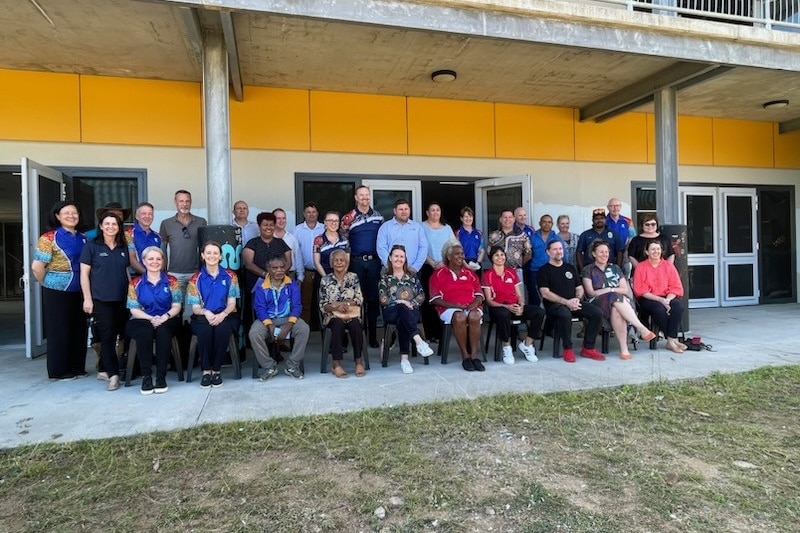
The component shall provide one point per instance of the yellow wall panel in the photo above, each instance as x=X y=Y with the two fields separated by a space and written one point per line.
x=534 y=132
x=269 y=118
x=367 y=123
x=695 y=141
x=138 y=111
x=450 y=127
x=787 y=148
x=743 y=143
x=622 y=139
x=39 y=106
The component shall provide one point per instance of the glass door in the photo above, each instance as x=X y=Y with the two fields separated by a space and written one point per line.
x=699 y=213
x=384 y=193
x=739 y=250
x=494 y=195
x=41 y=188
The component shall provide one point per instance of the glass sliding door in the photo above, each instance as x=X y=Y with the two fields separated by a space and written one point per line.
x=699 y=206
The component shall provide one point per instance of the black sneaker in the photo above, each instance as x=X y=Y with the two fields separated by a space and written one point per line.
x=161 y=385
x=147 y=385
x=205 y=382
x=216 y=380
x=294 y=371
x=478 y=365
x=467 y=365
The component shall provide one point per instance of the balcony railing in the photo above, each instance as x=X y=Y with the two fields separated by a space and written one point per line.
x=771 y=14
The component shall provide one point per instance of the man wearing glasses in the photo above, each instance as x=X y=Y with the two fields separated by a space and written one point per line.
x=619 y=224
x=179 y=241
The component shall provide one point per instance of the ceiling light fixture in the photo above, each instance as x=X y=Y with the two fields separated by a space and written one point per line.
x=775 y=104
x=444 y=76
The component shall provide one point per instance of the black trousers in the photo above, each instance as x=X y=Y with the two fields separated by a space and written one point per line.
x=338 y=327
x=143 y=332
x=431 y=322
x=369 y=273
x=212 y=341
x=502 y=318
x=670 y=323
x=406 y=320
x=66 y=332
x=110 y=319
x=563 y=317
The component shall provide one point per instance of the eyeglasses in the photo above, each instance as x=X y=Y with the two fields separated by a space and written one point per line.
x=650 y=224
x=186 y=234
x=614 y=205
x=397 y=247
x=332 y=221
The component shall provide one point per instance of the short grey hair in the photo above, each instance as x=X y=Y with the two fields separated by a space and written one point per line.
x=150 y=249
x=448 y=247
x=340 y=251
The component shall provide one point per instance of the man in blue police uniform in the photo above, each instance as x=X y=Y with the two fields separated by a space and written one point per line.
x=601 y=231
x=360 y=226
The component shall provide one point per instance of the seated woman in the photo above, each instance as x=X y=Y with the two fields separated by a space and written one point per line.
x=456 y=293
x=502 y=289
x=658 y=287
x=211 y=295
x=606 y=287
x=340 y=301
x=154 y=299
x=400 y=294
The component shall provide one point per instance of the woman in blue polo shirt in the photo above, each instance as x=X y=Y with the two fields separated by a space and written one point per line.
x=56 y=265
x=154 y=299
x=211 y=294
x=104 y=282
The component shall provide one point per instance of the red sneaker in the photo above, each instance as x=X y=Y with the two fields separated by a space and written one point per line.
x=591 y=353
x=569 y=355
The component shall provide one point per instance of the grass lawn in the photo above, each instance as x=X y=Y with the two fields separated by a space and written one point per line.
x=720 y=454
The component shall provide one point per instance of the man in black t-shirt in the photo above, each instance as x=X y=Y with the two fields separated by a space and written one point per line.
x=562 y=292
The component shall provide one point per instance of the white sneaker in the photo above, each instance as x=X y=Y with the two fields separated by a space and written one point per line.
x=424 y=349
x=405 y=365
x=508 y=355
x=528 y=351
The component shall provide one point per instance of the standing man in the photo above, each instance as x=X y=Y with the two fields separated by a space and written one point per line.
x=297 y=271
x=621 y=225
x=599 y=231
x=241 y=220
x=521 y=222
x=248 y=230
x=180 y=242
x=406 y=232
x=141 y=235
x=306 y=232
x=513 y=240
x=361 y=226
x=562 y=293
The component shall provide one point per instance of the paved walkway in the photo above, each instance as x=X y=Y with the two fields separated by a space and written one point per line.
x=34 y=409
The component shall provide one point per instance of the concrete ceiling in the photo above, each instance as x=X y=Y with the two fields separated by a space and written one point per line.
x=150 y=40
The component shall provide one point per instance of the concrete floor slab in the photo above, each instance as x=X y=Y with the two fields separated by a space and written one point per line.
x=37 y=410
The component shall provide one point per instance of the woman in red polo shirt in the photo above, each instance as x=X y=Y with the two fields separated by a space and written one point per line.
x=456 y=293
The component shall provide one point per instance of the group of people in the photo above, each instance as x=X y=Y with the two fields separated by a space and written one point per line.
x=341 y=274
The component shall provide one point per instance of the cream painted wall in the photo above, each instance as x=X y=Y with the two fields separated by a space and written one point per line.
x=265 y=179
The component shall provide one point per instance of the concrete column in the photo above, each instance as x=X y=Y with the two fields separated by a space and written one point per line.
x=667 y=196
x=216 y=123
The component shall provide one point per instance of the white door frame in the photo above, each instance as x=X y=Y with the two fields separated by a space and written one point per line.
x=35 y=343
x=414 y=187
x=747 y=258
x=483 y=186
x=720 y=259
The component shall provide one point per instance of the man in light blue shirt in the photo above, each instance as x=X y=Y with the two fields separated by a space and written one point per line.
x=305 y=233
x=404 y=231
